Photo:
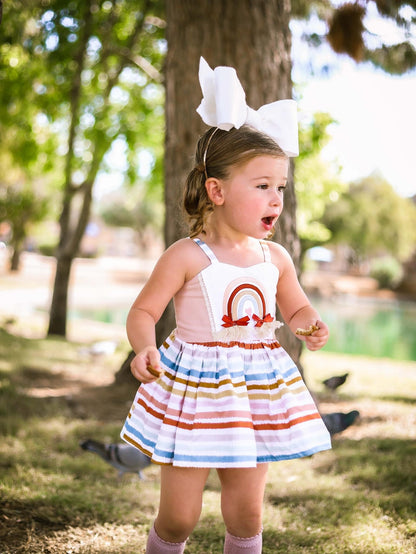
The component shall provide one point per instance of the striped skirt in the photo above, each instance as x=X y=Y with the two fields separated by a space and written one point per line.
x=225 y=405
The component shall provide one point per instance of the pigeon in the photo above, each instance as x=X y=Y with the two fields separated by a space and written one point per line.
x=122 y=456
x=334 y=382
x=338 y=421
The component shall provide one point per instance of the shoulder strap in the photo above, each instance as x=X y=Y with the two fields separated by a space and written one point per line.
x=266 y=251
x=206 y=249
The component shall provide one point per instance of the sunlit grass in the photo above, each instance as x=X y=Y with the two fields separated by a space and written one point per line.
x=357 y=498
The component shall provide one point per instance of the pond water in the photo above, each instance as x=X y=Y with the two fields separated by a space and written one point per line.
x=370 y=327
x=360 y=326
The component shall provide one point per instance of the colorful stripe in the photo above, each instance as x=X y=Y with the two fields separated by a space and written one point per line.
x=225 y=405
x=245 y=345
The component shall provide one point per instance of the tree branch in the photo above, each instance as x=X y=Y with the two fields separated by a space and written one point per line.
x=131 y=43
x=141 y=63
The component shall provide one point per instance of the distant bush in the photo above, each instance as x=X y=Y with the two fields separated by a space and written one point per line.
x=387 y=271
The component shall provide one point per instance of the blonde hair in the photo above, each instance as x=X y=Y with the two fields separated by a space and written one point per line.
x=217 y=152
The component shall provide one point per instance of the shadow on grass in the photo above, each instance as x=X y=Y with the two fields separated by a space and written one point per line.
x=37 y=521
x=49 y=485
x=36 y=392
x=386 y=466
x=17 y=350
x=365 y=484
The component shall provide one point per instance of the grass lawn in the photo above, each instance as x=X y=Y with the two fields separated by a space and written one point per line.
x=358 y=498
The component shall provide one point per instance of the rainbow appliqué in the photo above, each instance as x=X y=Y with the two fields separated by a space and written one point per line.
x=245 y=309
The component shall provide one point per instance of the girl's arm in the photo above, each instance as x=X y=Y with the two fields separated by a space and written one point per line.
x=293 y=303
x=168 y=276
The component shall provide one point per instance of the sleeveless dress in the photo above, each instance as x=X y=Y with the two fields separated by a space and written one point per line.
x=230 y=396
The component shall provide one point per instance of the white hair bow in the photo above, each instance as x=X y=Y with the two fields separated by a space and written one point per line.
x=224 y=106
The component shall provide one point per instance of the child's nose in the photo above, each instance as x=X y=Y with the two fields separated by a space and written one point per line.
x=276 y=197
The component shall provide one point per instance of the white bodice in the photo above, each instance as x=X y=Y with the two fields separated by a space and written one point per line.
x=225 y=302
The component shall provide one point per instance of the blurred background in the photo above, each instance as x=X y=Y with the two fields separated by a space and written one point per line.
x=82 y=156
x=98 y=127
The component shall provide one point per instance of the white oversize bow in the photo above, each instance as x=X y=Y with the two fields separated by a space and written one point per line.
x=224 y=106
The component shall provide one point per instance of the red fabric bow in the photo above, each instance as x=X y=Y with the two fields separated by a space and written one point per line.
x=228 y=322
x=259 y=322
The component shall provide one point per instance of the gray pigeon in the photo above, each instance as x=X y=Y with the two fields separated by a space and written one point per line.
x=338 y=421
x=334 y=382
x=122 y=456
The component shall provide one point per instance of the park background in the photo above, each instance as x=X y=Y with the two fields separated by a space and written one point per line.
x=84 y=160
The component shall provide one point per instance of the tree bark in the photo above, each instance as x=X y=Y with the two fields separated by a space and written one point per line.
x=253 y=37
x=17 y=247
x=67 y=251
x=57 y=320
x=15 y=259
x=17 y=243
x=124 y=375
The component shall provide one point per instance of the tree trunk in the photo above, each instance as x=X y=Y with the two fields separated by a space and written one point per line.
x=253 y=37
x=70 y=240
x=17 y=242
x=287 y=236
x=15 y=257
x=58 y=312
x=124 y=374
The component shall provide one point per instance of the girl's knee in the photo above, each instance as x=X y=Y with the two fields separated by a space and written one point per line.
x=242 y=505
x=243 y=521
x=177 y=526
x=180 y=502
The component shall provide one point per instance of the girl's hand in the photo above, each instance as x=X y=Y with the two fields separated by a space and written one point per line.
x=146 y=365
x=318 y=338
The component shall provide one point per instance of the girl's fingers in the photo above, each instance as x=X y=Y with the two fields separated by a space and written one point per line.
x=146 y=366
x=318 y=337
x=323 y=327
x=137 y=366
x=153 y=363
x=155 y=371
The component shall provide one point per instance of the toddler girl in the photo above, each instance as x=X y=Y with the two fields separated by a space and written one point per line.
x=221 y=392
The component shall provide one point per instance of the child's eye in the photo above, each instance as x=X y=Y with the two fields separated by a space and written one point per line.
x=263 y=186
x=282 y=188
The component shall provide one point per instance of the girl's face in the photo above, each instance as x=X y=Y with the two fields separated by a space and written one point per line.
x=253 y=195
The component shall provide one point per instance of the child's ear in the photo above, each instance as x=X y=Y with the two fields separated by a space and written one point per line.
x=215 y=191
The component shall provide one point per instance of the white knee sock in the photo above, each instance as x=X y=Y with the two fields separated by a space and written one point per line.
x=238 y=545
x=156 y=545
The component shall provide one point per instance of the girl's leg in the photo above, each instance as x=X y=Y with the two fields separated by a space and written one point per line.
x=242 y=494
x=180 y=502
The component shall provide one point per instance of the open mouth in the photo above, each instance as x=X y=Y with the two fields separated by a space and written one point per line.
x=268 y=221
